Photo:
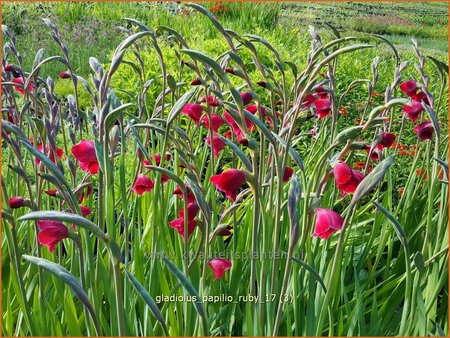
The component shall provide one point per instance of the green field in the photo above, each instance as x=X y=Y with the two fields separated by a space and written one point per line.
x=225 y=169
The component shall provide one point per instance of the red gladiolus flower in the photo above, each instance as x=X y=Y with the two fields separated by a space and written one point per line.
x=288 y=171
x=16 y=202
x=254 y=108
x=219 y=266
x=212 y=101
x=194 y=111
x=236 y=130
x=217 y=122
x=424 y=131
x=196 y=82
x=246 y=98
x=387 y=139
x=190 y=195
x=421 y=96
x=225 y=232
x=85 y=194
x=143 y=184
x=51 y=233
x=51 y=192
x=65 y=75
x=347 y=180
x=229 y=182
x=374 y=155
x=155 y=160
x=193 y=209
x=85 y=211
x=413 y=111
x=8 y=68
x=85 y=154
x=21 y=81
x=217 y=144
x=327 y=223
x=322 y=93
x=409 y=87
x=49 y=152
x=323 y=107
x=178 y=225
x=308 y=101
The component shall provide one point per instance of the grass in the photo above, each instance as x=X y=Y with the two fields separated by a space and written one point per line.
x=384 y=272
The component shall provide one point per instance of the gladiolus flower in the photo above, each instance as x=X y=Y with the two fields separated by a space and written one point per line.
x=424 y=131
x=387 y=139
x=49 y=152
x=420 y=96
x=225 y=232
x=327 y=223
x=229 y=182
x=194 y=111
x=212 y=101
x=143 y=184
x=65 y=75
x=308 y=100
x=16 y=202
x=347 y=180
x=8 y=68
x=196 y=82
x=413 y=111
x=178 y=225
x=288 y=171
x=219 y=266
x=85 y=194
x=217 y=144
x=409 y=87
x=21 y=81
x=217 y=122
x=254 y=108
x=190 y=195
x=323 y=107
x=85 y=154
x=246 y=98
x=236 y=129
x=51 y=192
x=322 y=92
x=85 y=211
x=51 y=233
x=155 y=160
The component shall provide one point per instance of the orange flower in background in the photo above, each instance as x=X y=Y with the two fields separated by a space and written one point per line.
x=343 y=111
x=401 y=191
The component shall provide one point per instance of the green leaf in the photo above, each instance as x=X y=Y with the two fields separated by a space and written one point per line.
x=179 y=105
x=433 y=117
x=397 y=226
x=210 y=62
x=311 y=270
x=67 y=278
x=244 y=159
x=372 y=180
x=148 y=300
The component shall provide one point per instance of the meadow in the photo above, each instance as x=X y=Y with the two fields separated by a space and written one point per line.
x=225 y=169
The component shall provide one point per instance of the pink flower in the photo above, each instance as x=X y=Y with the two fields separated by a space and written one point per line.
x=85 y=211
x=322 y=92
x=212 y=101
x=413 y=111
x=16 y=202
x=85 y=154
x=21 y=81
x=65 y=75
x=424 y=131
x=236 y=129
x=308 y=101
x=143 y=184
x=217 y=122
x=323 y=107
x=327 y=223
x=194 y=111
x=49 y=153
x=229 y=182
x=347 y=180
x=190 y=195
x=219 y=266
x=178 y=225
x=254 y=108
x=217 y=144
x=246 y=98
x=387 y=139
x=51 y=233
x=409 y=87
